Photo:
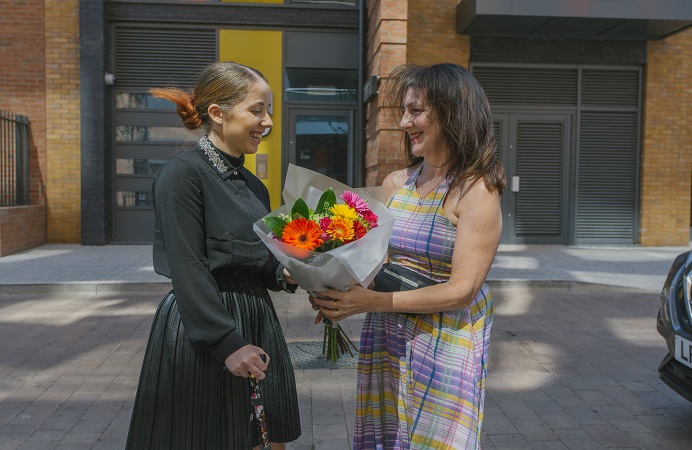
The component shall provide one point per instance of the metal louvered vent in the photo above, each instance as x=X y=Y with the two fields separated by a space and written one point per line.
x=527 y=86
x=610 y=87
x=146 y=57
x=607 y=177
x=539 y=163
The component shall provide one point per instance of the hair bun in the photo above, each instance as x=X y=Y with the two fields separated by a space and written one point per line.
x=188 y=112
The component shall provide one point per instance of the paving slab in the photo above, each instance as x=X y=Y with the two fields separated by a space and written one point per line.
x=572 y=365
x=109 y=268
x=69 y=371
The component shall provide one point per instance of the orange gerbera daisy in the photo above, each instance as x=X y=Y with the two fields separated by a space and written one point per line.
x=341 y=229
x=302 y=233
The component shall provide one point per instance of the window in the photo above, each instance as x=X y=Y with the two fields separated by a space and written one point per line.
x=321 y=84
x=137 y=133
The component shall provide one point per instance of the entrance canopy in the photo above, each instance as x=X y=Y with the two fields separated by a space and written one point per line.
x=640 y=20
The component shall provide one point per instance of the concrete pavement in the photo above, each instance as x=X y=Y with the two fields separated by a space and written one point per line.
x=88 y=268
x=572 y=365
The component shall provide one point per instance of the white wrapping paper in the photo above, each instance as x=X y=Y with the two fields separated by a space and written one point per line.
x=355 y=262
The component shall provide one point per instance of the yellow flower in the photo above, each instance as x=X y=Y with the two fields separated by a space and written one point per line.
x=344 y=211
x=302 y=233
x=341 y=229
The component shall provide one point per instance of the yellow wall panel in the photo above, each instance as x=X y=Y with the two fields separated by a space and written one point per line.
x=263 y=51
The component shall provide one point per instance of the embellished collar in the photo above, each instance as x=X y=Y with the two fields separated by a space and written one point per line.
x=219 y=161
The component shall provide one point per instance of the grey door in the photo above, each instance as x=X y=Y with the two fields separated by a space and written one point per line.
x=535 y=151
x=322 y=140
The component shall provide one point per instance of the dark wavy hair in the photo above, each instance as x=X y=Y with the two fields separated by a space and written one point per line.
x=461 y=110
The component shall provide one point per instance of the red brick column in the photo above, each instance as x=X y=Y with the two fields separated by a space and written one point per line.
x=394 y=40
x=386 y=49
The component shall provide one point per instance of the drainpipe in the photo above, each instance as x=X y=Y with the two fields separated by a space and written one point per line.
x=359 y=177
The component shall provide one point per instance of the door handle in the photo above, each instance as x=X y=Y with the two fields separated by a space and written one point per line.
x=515 y=184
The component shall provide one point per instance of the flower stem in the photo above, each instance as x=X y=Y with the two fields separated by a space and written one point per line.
x=335 y=342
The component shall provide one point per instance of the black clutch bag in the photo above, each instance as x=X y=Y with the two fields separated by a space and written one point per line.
x=394 y=278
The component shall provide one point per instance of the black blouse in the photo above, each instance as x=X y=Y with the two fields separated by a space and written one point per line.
x=205 y=204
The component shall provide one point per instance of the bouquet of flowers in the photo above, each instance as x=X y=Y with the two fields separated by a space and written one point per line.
x=341 y=240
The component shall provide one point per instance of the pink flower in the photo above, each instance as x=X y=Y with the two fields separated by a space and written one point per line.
x=371 y=217
x=354 y=201
x=325 y=222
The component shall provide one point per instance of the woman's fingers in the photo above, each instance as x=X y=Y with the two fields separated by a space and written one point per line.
x=331 y=308
x=333 y=314
x=287 y=276
x=326 y=308
x=248 y=361
x=330 y=303
x=333 y=305
x=256 y=372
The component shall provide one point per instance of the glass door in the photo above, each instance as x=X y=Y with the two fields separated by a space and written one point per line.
x=322 y=140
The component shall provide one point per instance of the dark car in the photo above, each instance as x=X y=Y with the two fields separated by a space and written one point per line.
x=674 y=323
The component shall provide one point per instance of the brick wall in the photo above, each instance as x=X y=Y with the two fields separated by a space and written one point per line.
x=667 y=143
x=63 y=121
x=22 y=80
x=22 y=228
x=23 y=87
x=40 y=79
x=432 y=37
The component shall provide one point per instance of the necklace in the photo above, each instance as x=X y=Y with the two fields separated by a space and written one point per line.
x=421 y=195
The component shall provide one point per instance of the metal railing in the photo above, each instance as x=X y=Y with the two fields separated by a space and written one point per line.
x=14 y=159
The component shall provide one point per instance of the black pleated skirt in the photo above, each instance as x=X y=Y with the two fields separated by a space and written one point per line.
x=186 y=400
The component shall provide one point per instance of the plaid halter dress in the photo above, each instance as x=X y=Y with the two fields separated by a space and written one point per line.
x=421 y=377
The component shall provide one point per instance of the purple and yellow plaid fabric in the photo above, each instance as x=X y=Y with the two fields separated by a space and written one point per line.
x=421 y=378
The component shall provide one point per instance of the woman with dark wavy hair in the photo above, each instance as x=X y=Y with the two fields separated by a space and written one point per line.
x=424 y=352
x=218 y=326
